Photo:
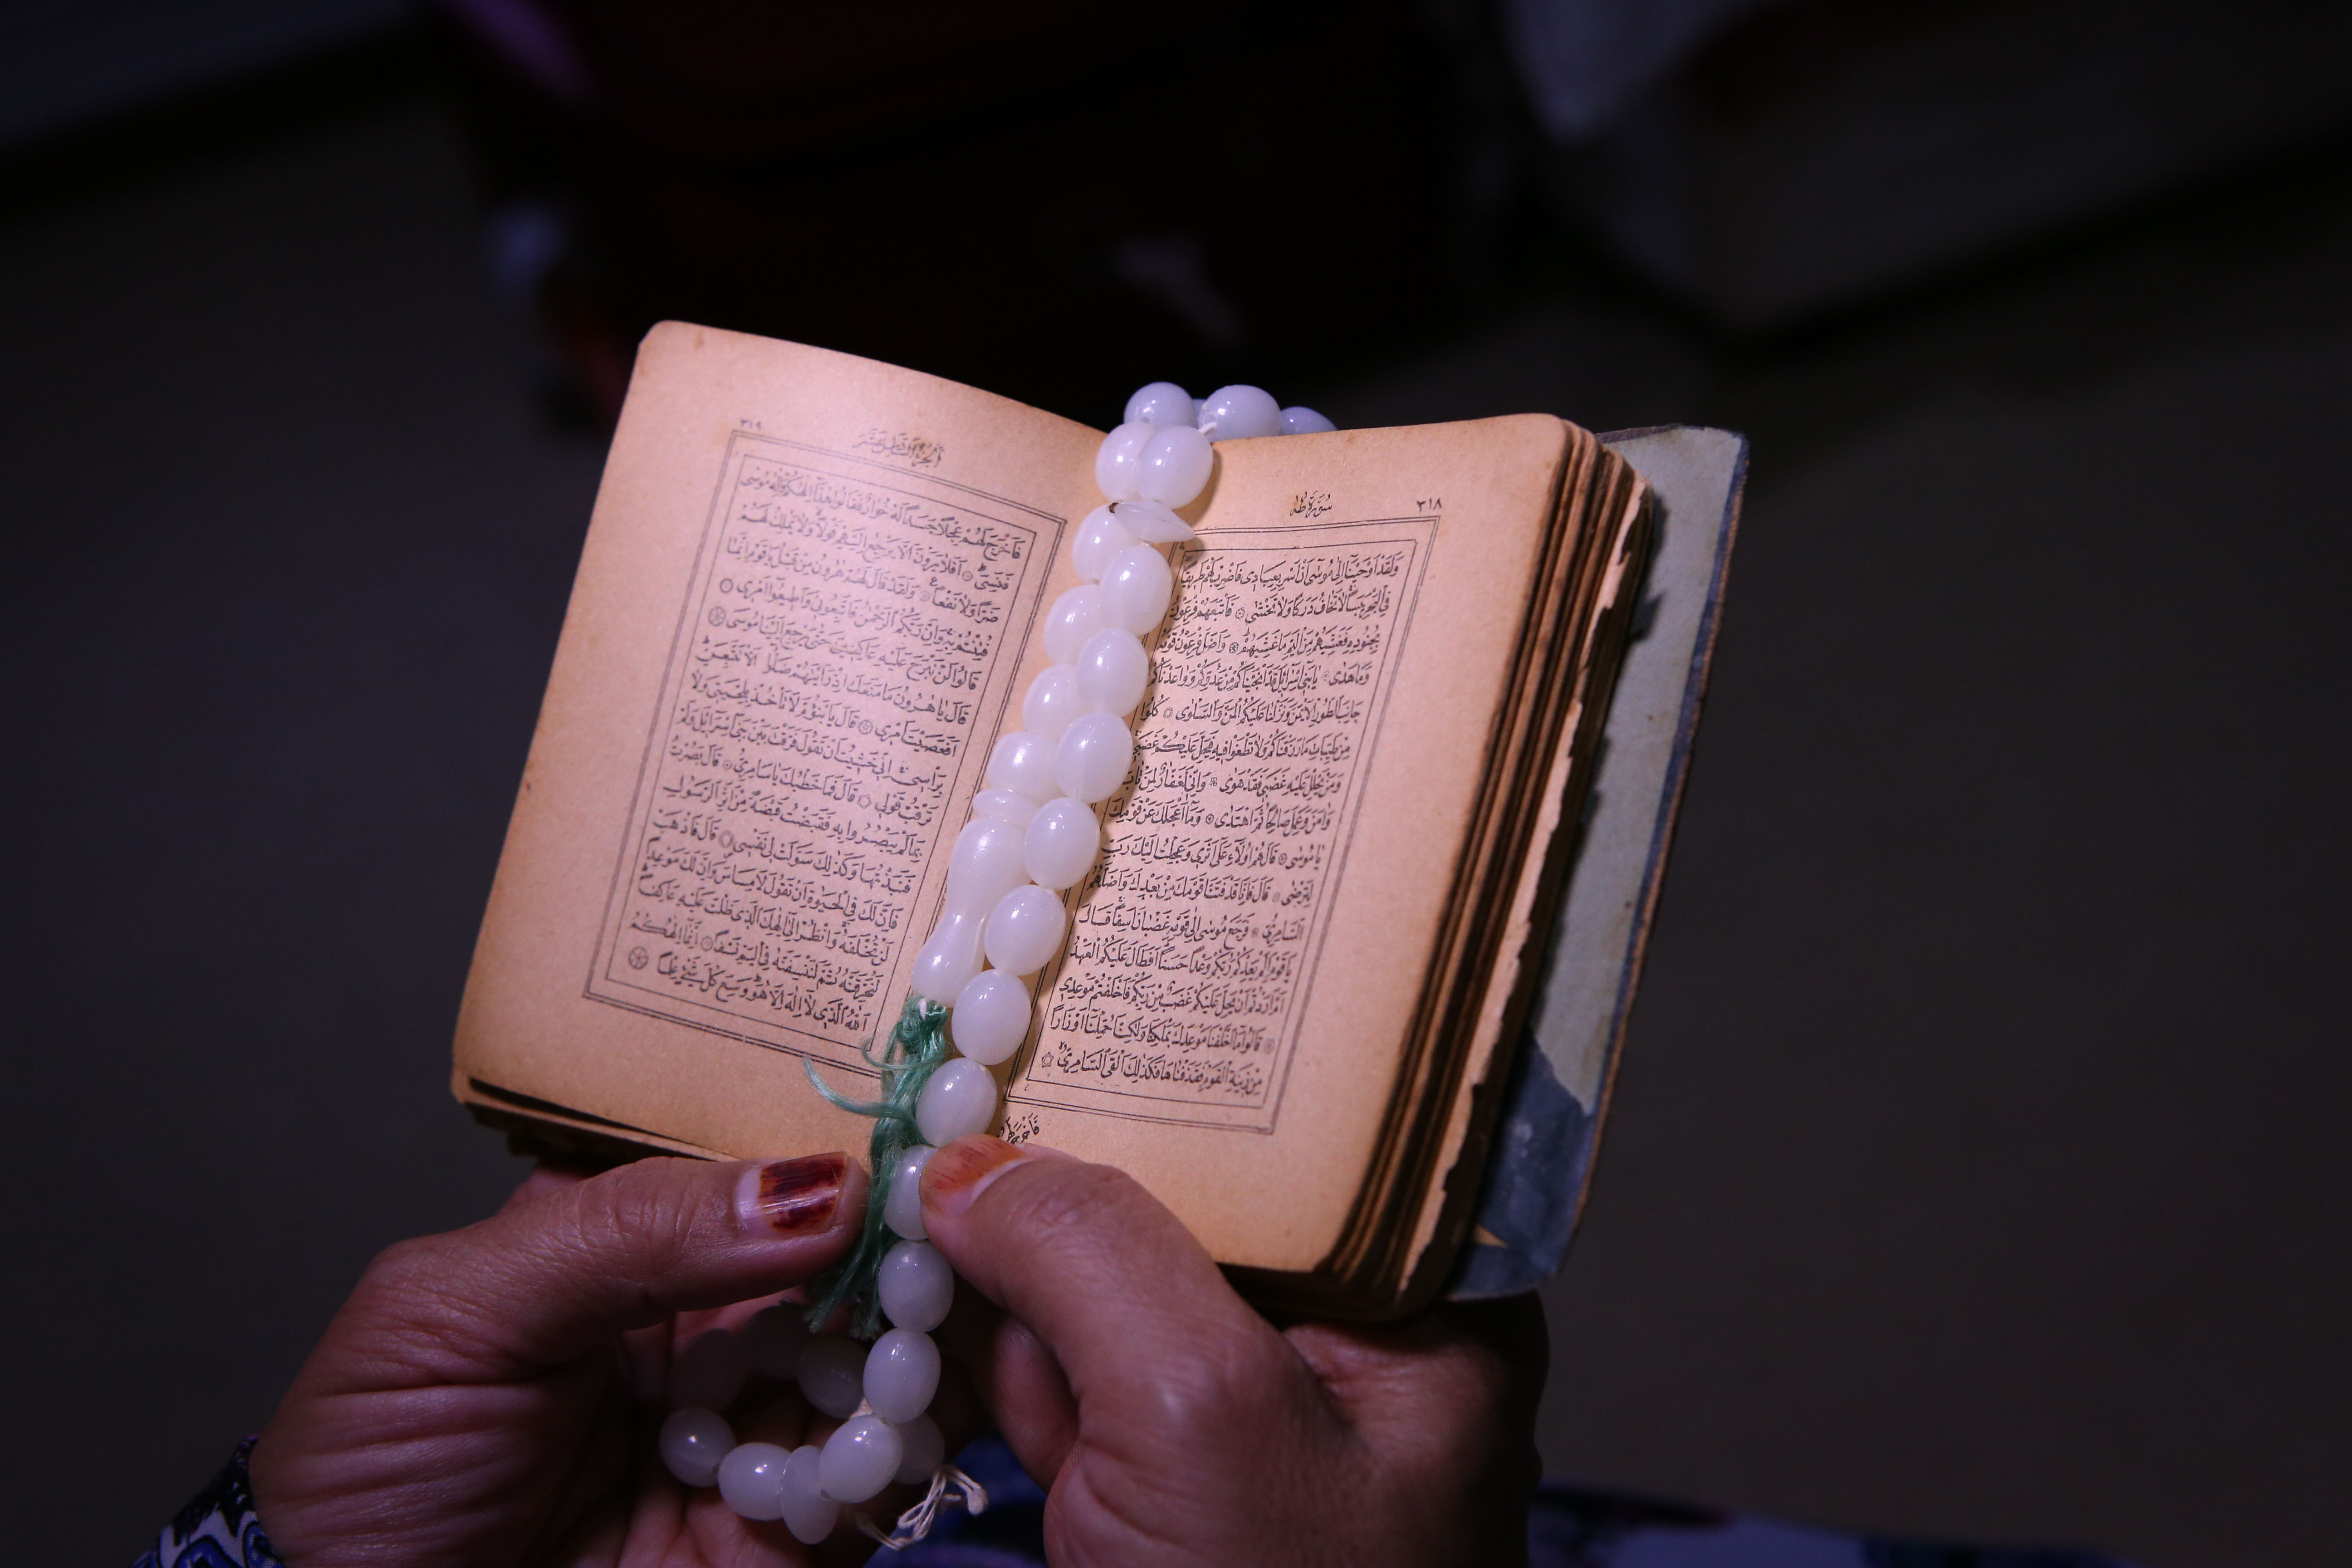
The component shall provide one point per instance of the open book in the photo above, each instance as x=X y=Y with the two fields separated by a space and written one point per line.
x=1297 y=976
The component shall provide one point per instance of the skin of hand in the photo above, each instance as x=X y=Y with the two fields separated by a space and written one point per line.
x=1173 y=1426
x=490 y=1395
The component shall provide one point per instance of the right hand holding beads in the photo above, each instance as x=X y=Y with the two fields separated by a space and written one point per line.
x=1173 y=1424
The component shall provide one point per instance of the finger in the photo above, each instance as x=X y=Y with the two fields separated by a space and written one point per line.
x=543 y=1281
x=545 y=1177
x=1457 y=1354
x=781 y=1416
x=1113 y=1286
x=957 y=1407
x=1448 y=1395
x=1018 y=1382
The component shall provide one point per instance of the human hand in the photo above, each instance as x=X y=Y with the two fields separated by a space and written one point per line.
x=1173 y=1426
x=488 y=1396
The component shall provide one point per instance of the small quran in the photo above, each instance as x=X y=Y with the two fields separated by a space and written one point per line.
x=1304 y=983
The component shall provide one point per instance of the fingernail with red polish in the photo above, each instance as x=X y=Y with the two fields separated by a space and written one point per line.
x=792 y=1197
x=962 y=1170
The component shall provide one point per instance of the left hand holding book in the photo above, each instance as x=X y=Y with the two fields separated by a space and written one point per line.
x=479 y=1396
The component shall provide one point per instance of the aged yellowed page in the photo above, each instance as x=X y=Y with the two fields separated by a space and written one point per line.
x=1247 y=960
x=790 y=642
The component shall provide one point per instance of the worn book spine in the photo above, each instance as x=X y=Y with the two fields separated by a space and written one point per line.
x=1541 y=1162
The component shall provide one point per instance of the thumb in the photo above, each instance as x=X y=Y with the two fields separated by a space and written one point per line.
x=548 y=1279
x=1125 y=1299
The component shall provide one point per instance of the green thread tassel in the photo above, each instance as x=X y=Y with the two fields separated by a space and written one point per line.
x=916 y=1048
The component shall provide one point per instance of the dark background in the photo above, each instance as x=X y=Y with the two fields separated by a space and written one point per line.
x=1977 y=1168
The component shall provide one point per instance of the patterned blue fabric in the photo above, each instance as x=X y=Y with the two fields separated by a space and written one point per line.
x=1567 y=1528
x=218 y=1528
x=1535 y=1183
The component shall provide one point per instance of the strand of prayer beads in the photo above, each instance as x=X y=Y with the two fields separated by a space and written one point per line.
x=1034 y=833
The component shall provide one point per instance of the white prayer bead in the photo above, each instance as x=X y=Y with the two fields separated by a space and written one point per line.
x=902 y=1373
x=1152 y=523
x=1115 y=469
x=985 y=863
x=990 y=1021
x=1175 y=466
x=1024 y=930
x=951 y=956
x=1024 y=764
x=1063 y=838
x=708 y=1373
x=902 y=1211
x=809 y=1514
x=1076 y=617
x=914 y=1285
x=960 y=1097
x=922 y=1448
x=1161 y=403
x=773 y=1341
x=1300 y=420
x=692 y=1444
x=1005 y=806
x=1112 y=669
x=832 y=1369
x=751 y=1480
x=1099 y=537
x=1051 y=703
x=1234 y=412
x=1092 y=761
x=859 y=1460
x=1136 y=588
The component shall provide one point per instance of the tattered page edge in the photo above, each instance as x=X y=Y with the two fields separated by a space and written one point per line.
x=1621 y=523
x=1558 y=1095
x=1449 y=1027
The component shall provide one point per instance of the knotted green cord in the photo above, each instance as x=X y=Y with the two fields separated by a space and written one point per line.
x=916 y=1048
